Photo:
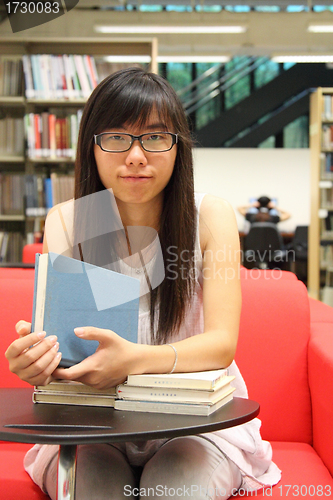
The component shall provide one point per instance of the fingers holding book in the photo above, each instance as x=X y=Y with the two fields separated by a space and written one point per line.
x=108 y=366
x=33 y=357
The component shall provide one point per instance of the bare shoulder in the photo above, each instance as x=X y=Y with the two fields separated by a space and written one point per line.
x=59 y=227
x=213 y=206
x=217 y=220
x=65 y=205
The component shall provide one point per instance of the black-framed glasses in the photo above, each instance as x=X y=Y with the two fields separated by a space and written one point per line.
x=153 y=142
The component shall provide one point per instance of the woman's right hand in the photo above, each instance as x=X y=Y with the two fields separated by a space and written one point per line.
x=32 y=357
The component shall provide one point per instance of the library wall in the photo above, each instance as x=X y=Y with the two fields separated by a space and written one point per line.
x=239 y=174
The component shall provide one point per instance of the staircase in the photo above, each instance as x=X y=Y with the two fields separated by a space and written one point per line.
x=265 y=112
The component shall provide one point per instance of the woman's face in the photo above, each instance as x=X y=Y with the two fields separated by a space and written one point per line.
x=136 y=176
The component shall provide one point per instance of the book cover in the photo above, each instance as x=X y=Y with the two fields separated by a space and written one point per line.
x=169 y=394
x=69 y=293
x=174 y=408
x=207 y=380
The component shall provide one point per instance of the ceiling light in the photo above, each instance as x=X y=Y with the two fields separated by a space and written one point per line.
x=193 y=59
x=169 y=29
x=305 y=58
x=321 y=28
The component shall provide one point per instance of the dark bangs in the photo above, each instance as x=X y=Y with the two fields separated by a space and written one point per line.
x=132 y=101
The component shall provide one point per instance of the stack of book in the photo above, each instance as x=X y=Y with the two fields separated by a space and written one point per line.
x=73 y=393
x=197 y=393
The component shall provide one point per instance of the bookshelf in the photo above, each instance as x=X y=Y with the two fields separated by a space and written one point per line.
x=26 y=166
x=320 y=262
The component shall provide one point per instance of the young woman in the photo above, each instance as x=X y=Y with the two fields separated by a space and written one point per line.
x=134 y=139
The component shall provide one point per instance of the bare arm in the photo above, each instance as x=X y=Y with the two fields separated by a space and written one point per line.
x=283 y=214
x=244 y=208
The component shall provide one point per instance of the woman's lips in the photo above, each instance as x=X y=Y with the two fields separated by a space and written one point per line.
x=136 y=179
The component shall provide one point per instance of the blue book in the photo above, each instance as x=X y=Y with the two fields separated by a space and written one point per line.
x=48 y=194
x=69 y=293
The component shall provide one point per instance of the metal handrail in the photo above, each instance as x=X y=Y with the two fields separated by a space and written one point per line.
x=216 y=88
x=209 y=72
x=202 y=77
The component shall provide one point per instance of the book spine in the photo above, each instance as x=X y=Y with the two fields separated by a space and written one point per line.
x=68 y=76
x=84 y=83
x=29 y=86
x=48 y=194
x=33 y=318
x=52 y=136
x=61 y=68
x=92 y=70
x=75 y=78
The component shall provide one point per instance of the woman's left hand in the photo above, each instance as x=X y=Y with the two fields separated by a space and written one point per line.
x=108 y=366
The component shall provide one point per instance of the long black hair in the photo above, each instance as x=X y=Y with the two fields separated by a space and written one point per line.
x=129 y=97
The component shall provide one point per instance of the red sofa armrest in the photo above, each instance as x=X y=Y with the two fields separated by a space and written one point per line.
x=321 y=387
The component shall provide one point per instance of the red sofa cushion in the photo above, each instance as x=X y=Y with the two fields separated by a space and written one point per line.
x=272 y=356
x=15 y=482
x=10 y=313
x=303 y=474
x=17 y=272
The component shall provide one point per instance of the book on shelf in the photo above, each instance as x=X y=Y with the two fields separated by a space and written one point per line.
x=69 y=293
x=11 y=246
x=327 y=137
x=52 y=136
x=170 y=394
x=11 y=76
x=61 y=188
x=209 y=380
x=11 y=136
x=174 y=408
x=326 y=166
x=4 y=236
x=326 y=194
x=327 y=112
x=59 y=76
x=11 y=194
x=35 y=195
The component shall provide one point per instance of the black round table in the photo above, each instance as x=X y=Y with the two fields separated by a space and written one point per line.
x=23 y=421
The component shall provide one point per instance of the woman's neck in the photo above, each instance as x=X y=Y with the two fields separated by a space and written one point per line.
x=141 y=214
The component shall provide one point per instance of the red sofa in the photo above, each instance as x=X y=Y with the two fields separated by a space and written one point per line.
x=285 y=353
x=29 y=252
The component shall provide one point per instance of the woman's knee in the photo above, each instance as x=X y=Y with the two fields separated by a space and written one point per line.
x=190 y=467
